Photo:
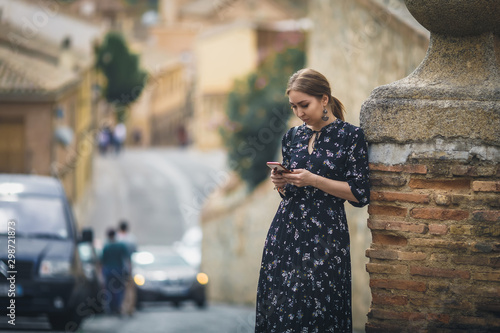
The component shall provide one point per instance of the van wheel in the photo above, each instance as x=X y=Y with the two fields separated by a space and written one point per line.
x=202 y=303
x=69 y=322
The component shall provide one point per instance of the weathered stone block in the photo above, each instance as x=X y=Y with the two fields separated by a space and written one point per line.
x=495 y=262
x=476 y=200
x=386 y=269
x=439 y=272
x=438 y=229
x=486 y=276
x=398 y=284
x=489 y=306
x=440 y=257
x=399 y=196
x=470 y=260
x=463 y=170
x=444 y=302
x=483 y=247
x=412 y=256
x=486 y=171
x=461 y=229
x=409 y=168
x=387 y=314
x=486 y=215
x=438 y=317
x=382 y=239
x=486 y=186
x=397 y=226
x=438 y=243
x=384 y=299
x=381 y=254
x=487 y=231
x=395 y=181
x=387 y=210
x=441 y=184
x=439 y=214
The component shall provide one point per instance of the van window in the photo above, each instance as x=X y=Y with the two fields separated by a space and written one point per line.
x=38 y=217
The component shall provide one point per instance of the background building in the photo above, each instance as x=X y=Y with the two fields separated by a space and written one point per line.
x=228 y=53
x=164 y=108
x=46 y=98
x=207 y=45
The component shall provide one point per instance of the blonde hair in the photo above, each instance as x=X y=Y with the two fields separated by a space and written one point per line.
x=311 y=82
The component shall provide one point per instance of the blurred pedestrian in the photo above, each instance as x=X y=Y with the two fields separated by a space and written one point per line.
x=119 y=136
x=137 y=136
x=182 y=136
x=115 y=261
x=305 y=276
x=125 y=236
x=104 y=138
x=128 y=239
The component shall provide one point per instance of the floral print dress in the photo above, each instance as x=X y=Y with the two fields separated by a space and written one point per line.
x=305 y=277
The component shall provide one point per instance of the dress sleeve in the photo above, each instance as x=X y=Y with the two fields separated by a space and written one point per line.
x=357 y=174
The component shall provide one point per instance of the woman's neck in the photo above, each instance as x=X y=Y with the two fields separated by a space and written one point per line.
x=318 y=127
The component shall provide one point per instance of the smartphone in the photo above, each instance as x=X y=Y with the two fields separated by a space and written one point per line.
x=278 y=166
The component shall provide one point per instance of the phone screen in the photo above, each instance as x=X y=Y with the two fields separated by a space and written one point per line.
x=278 y=166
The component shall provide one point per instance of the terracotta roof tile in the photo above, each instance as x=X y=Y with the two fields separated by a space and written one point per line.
x=13 y=81
x=32 y=66
x=25 y=74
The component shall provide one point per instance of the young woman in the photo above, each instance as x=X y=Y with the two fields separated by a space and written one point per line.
x=305 y=277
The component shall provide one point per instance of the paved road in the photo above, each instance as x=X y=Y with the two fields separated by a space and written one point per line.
x=162 y=318
x=159 y=191
x=188 y=319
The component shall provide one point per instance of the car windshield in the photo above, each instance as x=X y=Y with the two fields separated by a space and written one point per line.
x=38 y=217
x=155 y=261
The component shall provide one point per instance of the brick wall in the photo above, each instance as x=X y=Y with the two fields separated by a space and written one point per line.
x=435 y=253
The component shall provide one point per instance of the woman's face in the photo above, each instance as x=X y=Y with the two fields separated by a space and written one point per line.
x=308 y=108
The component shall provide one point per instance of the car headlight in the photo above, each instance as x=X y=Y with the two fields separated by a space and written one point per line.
x=202 y=278
x=54 y=268
x=139 y=279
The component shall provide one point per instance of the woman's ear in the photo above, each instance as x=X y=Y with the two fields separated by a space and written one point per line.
x=324 y=99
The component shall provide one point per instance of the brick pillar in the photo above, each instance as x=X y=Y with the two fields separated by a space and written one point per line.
x=434 y=151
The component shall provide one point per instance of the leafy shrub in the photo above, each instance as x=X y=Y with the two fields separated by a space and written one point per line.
x=258 y=113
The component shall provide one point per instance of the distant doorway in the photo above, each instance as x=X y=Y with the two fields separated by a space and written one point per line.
x=12 y=145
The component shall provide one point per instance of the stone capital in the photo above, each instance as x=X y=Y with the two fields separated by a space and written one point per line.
x=454 y=94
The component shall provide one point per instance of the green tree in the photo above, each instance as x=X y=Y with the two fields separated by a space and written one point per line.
x=125 y=80
x=258 y=113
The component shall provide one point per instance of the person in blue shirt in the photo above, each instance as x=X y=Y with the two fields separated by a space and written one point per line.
x=124 y=236
x=115 y=261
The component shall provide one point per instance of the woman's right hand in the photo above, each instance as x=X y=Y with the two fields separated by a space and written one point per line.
x=277 y=178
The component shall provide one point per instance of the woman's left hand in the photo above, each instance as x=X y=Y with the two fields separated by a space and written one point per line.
x=301 y=178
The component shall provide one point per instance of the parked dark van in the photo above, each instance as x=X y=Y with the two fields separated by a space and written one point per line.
x=41 y=270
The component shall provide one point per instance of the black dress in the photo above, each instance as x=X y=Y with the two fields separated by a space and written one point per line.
x=305 y=276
